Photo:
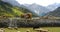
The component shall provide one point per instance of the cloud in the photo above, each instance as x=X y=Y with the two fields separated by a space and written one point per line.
x=40 y=2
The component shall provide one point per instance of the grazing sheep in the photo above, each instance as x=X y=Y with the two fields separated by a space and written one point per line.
x=35 y=27
x=18 y=31
x=44 y=30
x=10 y=28
x=16 y=28
x=41 y=30
x=28 y=31
x=2 y=30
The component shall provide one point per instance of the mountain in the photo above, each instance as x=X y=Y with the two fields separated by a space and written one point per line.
x=53 y=6
x=56 y=12
x=6 y=9
x=38 y=9
x=34 y=8
x=12 y=2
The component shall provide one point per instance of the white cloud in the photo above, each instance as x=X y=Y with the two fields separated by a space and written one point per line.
x=26 y=1
x=40 y=2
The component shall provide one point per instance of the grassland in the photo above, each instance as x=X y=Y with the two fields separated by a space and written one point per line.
x=51 y=29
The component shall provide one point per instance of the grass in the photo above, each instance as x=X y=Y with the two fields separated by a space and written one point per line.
x=17 y=11
x=19 y=29
x=51 y=29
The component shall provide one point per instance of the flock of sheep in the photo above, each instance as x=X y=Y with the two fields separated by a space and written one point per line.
x=37 y=30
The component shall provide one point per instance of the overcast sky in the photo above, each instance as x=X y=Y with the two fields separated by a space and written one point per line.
x=40 y=2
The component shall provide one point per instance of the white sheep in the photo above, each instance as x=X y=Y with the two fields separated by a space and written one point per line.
x=28 y=31
x=2 y=30
x=10 y=28
x=44 y=30
x=41 y=30
x=18 y=31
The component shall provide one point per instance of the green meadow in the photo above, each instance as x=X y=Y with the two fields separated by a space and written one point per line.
x=51 y=29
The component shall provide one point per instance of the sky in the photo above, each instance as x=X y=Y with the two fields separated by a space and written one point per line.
x=40 y=2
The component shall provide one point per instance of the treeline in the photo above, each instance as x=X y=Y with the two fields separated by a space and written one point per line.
x=22 y=24
x=29 y=24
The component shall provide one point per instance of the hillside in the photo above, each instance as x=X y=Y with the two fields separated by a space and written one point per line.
x=7 y=9
x=56 y=12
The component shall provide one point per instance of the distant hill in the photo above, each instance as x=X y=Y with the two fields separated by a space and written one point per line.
x=7 y=9
x=56 y=12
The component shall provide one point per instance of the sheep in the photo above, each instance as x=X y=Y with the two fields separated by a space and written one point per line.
x=10 y=28
x=28 y=31
x=41 y=30
x=16 y=28
x=44 y=30
x=18 y=31
x=2 y=30
x=36 y=27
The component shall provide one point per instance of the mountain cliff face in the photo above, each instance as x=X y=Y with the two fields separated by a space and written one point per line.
x=56 y=12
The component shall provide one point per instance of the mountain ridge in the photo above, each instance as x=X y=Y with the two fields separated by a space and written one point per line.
x=37 y=9
x=55 y=13
x=53 y=6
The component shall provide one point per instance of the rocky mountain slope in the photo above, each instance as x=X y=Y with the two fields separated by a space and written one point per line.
x=56 y=12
